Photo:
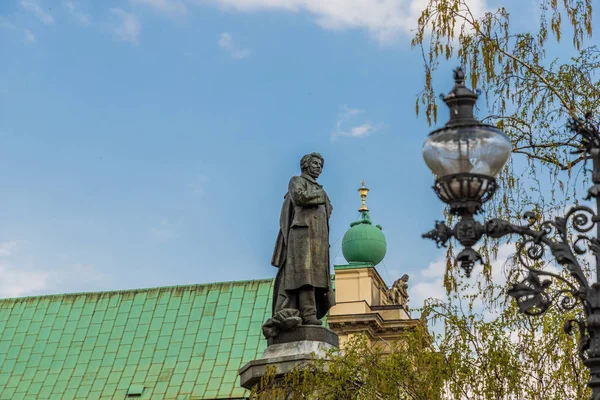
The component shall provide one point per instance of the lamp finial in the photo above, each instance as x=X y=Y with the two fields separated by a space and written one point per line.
x=363 y=195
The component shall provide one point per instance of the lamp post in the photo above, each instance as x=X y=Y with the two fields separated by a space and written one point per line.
x=465 y=155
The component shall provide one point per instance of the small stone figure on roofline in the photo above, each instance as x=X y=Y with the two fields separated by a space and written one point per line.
x=302 y=293
x=399 y=291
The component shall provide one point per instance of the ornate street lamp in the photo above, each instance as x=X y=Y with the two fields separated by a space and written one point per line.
x=465 y=155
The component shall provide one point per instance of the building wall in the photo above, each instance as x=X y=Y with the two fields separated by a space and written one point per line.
x=366 y=305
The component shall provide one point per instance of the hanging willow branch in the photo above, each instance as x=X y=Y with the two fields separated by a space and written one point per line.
x=529 y=96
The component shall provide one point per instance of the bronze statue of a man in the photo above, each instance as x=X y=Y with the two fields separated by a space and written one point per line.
x=302 y=291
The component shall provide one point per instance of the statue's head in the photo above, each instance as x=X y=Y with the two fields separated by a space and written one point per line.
x=312 y=164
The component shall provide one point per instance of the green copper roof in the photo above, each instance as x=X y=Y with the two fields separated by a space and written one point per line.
x=182 y=342
x=364 y=242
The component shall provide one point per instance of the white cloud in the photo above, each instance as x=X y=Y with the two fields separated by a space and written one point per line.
x=17 y=282
x=429 y=283
x=385 y=20
x=362 y=130
x=20 y=276
x=7 y=248
x=348 y=125
x=129 y=26
x=34 y=8
x=346 y=113
x=29 y=36
x=24 y=280
x=172 y=8
x=81 y=18
x=227 y=43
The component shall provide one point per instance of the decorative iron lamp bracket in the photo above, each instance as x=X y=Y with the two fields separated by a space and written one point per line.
x=565 y=237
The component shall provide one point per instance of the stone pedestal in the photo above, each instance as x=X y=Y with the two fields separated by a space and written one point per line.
x=289 y=350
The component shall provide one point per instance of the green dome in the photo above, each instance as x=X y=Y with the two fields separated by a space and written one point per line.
x=364 y=242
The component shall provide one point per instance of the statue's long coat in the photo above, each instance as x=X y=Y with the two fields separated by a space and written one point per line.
x=302 y=248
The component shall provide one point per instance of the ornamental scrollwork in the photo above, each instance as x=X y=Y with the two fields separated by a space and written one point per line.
x=532 y=293
x=554 y=235
x=440 y=234
x=533 y=296
x=564 y=238
x=584 y=341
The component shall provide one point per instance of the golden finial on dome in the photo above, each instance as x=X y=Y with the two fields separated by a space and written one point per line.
x=363 y=195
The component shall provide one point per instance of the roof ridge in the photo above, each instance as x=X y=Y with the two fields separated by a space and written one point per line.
x=139 y=290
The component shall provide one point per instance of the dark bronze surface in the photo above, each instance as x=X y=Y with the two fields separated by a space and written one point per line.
x=302 y=291
x=566 y=238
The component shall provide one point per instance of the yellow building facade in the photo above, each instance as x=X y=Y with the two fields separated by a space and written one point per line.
x=364 y=303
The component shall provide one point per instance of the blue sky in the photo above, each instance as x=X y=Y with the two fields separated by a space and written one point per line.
x=150 y=142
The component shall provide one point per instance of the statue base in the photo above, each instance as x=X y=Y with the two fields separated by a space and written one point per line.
x=289 y=350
